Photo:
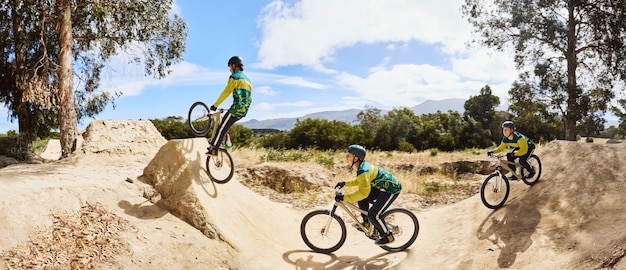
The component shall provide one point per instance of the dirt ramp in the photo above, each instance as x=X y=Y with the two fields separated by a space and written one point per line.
x=121 y=138
x=230 y=212
x=582 y=196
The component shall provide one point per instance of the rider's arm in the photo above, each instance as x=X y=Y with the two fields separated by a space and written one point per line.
x=230 y=87
x=500 y=147
x=363 y=182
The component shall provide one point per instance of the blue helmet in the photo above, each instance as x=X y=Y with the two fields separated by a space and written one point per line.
x=357 y=151
x=508 y=124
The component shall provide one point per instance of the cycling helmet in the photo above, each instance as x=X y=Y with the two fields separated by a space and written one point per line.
x=236 y=60
x=508 y=124
x=357 y=151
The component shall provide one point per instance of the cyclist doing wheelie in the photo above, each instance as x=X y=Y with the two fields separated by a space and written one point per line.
x=522 y=147
x=376 y=186
x=241 y=88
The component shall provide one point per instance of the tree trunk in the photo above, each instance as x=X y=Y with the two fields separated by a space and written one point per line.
x=571 y=113
x=67 y=109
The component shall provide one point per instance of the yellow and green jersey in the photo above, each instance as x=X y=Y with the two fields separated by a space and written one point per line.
x=370 y=176
x=520 y=144
x=241 y=88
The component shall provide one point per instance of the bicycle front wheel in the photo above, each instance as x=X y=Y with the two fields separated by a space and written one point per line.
x=535 y=163
x=199 y=119
x=494 y=191
x=323 y=232
x=220 y=167
x=404 y=226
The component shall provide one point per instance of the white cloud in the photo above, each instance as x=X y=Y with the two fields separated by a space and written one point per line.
x=264 y=106
x=308 y=32
x=408 y=85
x=299 y=81
x=265 y=90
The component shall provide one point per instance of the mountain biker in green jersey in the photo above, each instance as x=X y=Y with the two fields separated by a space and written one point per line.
x=241 y=88
x=376 y=186
x=522 y=147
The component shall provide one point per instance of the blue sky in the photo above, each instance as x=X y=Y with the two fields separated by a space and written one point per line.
x=308 y=56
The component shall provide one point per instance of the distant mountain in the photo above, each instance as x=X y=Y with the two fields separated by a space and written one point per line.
x=444 y=105
x=349 y=116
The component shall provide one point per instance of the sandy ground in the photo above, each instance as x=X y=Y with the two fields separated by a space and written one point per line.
x=572 y=219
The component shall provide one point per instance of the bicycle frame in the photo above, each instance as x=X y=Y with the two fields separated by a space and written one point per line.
x=349 y=208
x=504 y=166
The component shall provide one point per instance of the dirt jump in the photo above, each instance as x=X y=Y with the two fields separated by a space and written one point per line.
x=153 y=201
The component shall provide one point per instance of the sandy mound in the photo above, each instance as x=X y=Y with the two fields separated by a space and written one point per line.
x=252 y=225
x=122 y=138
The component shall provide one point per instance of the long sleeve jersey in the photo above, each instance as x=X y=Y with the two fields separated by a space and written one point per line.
x=520 y=143
x=370 y=176
x=241 y=88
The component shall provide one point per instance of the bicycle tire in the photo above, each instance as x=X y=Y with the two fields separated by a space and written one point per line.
x=319 y=227
x=405 y=227
x=198 y=119
x=220 y=167
x=535 y=162
x=495 y=191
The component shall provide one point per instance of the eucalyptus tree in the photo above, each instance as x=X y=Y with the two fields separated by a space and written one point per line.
x=580 y=43
x=620 y=112
x=51 y=44
x=482 y=108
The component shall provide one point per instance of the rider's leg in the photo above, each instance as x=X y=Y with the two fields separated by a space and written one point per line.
x=365 y=206
x=523 y=160
x=221 y=131
x=382 y=203
x=365 y=203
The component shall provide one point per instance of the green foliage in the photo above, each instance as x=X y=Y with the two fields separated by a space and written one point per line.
x=482 y=108
x=172 y=127
x=405 y=146
x=240 y=135
x=433 y=187
x=574 y=47
x=434 y=152
x=589 y=139
x=286 y=155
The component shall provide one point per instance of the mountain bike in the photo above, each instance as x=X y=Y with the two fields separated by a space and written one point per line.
x=324 y=231
x=201 y=120
x=495 y=188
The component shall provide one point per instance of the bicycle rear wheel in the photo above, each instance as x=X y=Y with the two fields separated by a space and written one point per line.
x=494 y=191
x=199 y=119
x=322 y=232
x=404 y=226
x=535 y=163
x=220 y=167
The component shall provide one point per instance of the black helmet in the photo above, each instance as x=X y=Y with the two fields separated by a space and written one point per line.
x=508 y=124
x=357 y=151
x=236 y=60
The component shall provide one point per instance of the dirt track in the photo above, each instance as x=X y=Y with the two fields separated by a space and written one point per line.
x=572 y=219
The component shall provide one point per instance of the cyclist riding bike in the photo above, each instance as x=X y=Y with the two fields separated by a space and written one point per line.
x=376 y=186
x=241 y=88
x=522 y=148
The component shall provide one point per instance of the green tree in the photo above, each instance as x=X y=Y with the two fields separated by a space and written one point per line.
x=620 y=112
x=580 y=41
x=398 y=126
x=531 y=113
x=482 y=108
x=49 y=45
x=172 y=127
x=323 y=134
x=370 y=120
